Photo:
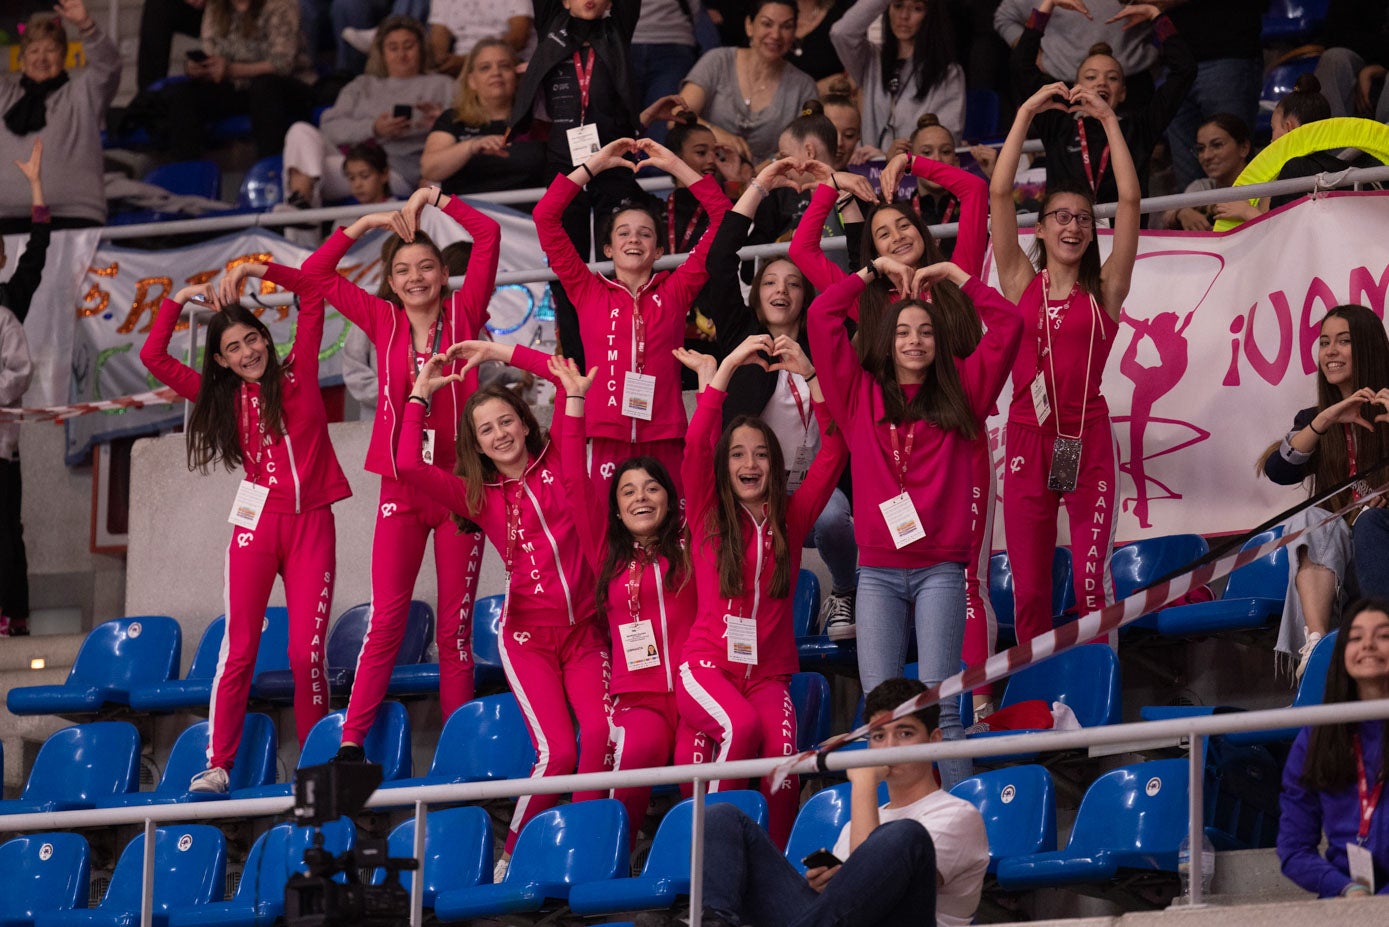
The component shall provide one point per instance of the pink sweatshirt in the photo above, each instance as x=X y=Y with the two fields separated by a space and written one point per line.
x=299 y=467
x=973 y=239
x=776 y=643
x=551 y=583
x=940 y=464
x=671 y=612
x=607 y=311
x=464 y=315
x=1081 y=331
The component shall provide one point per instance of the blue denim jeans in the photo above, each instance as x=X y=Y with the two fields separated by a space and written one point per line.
x=833 y=537
x=890 y=879
x=1370 y=536
x=1223 y=85
x=659 y=70
x=892 y=601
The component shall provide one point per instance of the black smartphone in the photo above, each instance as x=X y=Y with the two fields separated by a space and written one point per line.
x=822 y=857
x=197 y=55
x=402 y=111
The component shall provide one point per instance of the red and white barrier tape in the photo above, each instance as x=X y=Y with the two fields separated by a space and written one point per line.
x=162 y=396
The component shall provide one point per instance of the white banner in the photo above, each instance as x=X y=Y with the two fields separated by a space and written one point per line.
x=1216 y=351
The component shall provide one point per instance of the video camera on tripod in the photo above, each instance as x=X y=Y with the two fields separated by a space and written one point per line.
x=317 y=898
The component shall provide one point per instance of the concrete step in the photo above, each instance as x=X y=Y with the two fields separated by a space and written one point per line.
x=56 y=651
x=1309 y=912
x=21 y=736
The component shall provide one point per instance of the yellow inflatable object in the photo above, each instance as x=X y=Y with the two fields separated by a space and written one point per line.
x=1324 y=135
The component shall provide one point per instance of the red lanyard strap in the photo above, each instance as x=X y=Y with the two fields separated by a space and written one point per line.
x=638 y=336
x=682 y=244
x=634 y=571
x=583 y=72
x=253 y=433
x=1369 y=800
x=1090 y=174
x=513 y=523
x=801 y=409
x=900 y=458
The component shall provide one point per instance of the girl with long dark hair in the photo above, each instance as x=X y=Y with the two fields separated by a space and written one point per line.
x=252 y=410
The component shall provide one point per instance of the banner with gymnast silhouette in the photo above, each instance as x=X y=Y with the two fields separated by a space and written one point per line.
x=1216 y=351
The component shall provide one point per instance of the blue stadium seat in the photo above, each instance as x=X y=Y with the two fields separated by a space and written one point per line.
x=457 y=850
x=816 y=650
x=1310 y=691
x=1242 y=791
x=1136 y=565
x=1019 y=809
x=261 y=187
x=666 y=874
x=254 y=765
x=190 y=862
x=116 y=657
x=80 y=765
x=387 y=743
x=1293 y=21
x=818 y=824
x=487 y=658
x=981 y=115
x=1253 y=598
x=1131 y=818
x=1063 y=594
x=188 y=178
x=43 y=872
x=193 y=690
x=484 y=740
x=810 y=693
x=343 y=646
x=562 y=847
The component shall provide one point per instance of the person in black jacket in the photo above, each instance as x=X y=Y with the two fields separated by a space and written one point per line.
x=579 y=78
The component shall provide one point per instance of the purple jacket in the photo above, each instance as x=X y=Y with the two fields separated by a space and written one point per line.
x=1305 y=814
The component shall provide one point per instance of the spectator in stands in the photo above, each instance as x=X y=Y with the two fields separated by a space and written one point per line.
x=1334 y=777
x=354 y=24
x=776 y=307
x=252 y=61
x=686 y=220
x=1223 y=145
x=1226 y=39
x=841 y=110
x=520 y=484
x=455 y=26
x=1077 y=156
x=663 y=52
x=255 y=411
x=738 y=661
x=1351 y=69
x=918 y=859
x=637 y=409
x=1352 y=370
x=160 y=21
x=911 y=72
x=371 y=109
x=45 y=103
x=1059 y=443
x=1307 y=104
x=935 y=204
x=468 y=149
x=814 y=51
x=748 y=95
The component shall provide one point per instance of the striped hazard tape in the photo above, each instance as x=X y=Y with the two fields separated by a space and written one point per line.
x=162 y=396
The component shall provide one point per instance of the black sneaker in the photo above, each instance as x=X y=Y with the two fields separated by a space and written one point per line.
x=350 y=753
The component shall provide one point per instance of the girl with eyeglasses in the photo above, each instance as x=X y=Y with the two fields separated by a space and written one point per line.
x=1059 y=447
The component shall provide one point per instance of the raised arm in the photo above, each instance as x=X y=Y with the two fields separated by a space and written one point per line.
x=1117 y=272
x=850 y=37
x=17 y=293
x=480 y=282
x=154 y=353
x=834 y=354
x=1015 y=270
x=590 y=505
x=971 y=190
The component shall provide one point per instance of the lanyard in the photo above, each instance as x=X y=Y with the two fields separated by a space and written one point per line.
x=638 y=336
x=801 y=409
x=947 y=213
x=513 y=523
x=436 y=335
x=634 y=570
x=1368 y=800
x=1051 y=357
x=901 y=457
x=1350 y=451
x=677 y=247
x=253 y=434
x=584 y=73
x=1090 y=175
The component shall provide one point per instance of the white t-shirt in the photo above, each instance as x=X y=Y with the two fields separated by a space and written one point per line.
x=794 y=425
x=471 y=20
x=962 y=851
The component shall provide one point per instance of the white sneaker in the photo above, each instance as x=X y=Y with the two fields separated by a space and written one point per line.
x=1305 y=653
x=499 y=870
x=837 y=617
x=212 y=781
x=359 y=39
x=983 y=709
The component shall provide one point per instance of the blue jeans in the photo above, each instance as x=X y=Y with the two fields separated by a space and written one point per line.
x=833 y=537
x=659 y=70
x=1370 y=536
x=1223 y=85
x=889 y=602
x=890 y=879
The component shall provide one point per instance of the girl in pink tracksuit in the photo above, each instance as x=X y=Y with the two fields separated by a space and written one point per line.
x=913 y=412
x=419 y=322
x=523 y=490
x=746 y=535
x=1059 y=446
x=265 y=415
x=631 y=323
x=640 y=553
x=897 y=231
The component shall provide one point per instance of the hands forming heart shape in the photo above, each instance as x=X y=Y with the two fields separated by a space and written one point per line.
x=1076 y=100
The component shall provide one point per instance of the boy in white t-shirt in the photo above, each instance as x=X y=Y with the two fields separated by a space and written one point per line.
x=925 y=850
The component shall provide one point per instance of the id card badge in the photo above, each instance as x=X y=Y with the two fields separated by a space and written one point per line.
x=1041 y=404
x=583 y=143
x=638 y=395
x=1065 y=465
x=1362 y=865
x=799 y=468
x=902 y=521
x=741 y=634
x=427 y=447
x=250 y=502
x=639 y=644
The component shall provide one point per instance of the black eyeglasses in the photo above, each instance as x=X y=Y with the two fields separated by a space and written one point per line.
x=1065 y=216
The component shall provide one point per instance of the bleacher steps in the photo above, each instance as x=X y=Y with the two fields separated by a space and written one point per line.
x=22 y=736
x=1309 y=912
